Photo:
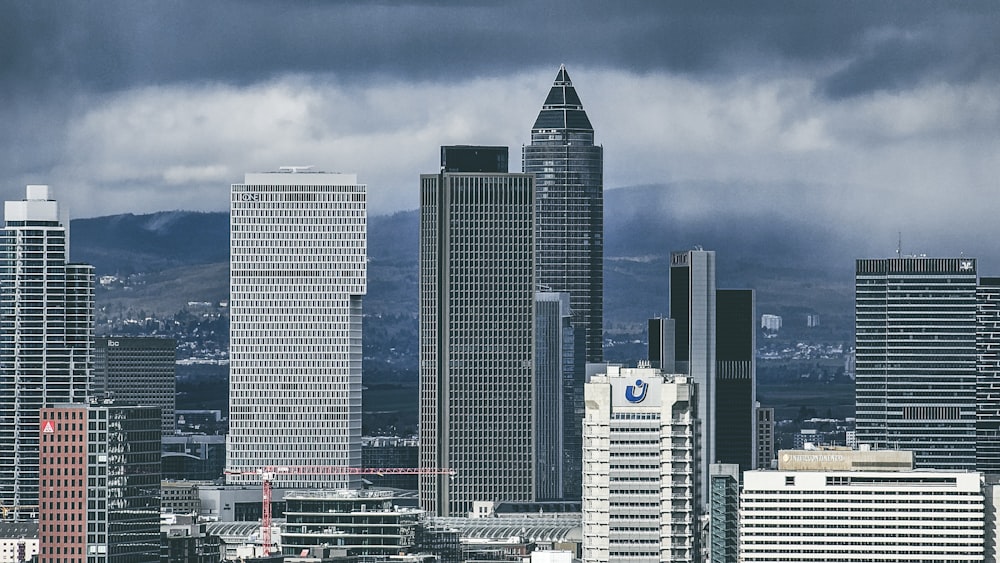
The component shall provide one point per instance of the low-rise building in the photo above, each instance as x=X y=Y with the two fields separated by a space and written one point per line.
x=844 y=505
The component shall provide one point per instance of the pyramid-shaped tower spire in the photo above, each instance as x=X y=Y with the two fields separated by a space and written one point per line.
x=562 y=108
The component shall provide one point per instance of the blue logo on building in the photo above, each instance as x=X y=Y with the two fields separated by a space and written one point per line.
x=630 y=391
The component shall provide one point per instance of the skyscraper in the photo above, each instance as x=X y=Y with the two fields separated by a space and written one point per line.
x=46 y=336
x=639 y=477
x=692 y=308
x=298 y=274
x=569 y=206
x=916 y=358
x=100 y=499
x=477 y=288
x=735 y=378
x=988 y=375
x=559 y=379
x=140 y=371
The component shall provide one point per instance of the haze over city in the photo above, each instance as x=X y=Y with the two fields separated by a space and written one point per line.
x=867 y=118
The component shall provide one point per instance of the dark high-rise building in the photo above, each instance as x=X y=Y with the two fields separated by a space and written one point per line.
x=46 y=337
x=569 y=206
x=692 y=309
x=735 y=378
x=559 y=379
x=988 y=375
x=477 y=305
x=100 y=477
x=661 y=344
x=724 y=534
x=140 y=371
x=915 y=332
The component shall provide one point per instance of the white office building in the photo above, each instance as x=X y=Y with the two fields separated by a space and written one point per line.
x=639 y=467
x=297 y=277
x=859 y=506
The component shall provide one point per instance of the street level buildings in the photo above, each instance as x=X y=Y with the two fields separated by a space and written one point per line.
x=916 y=364
x=100 y=483
x=569 y=207
x=138 y=370
x=297 y=278
x=859 y=506
x=477 y=288
x=640 y=477
x=46 y=337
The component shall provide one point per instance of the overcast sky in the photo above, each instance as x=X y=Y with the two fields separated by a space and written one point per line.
x=887 y=112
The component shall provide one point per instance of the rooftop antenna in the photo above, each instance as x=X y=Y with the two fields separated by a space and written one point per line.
x=899 y=245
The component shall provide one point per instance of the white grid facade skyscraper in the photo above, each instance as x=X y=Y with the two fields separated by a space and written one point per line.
x=46 y=336
x=915 y=331
x=297 y=277
x=477 y=299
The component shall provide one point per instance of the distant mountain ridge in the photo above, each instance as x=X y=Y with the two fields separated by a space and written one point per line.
x=776 y=255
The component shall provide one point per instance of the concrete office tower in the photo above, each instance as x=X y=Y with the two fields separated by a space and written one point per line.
x=297 y=277
x=100 y=496
x=140 y=371
x=559 y=378
x=46 y=336
x=916 y=358
x=988 y=375
x=859 y=506
x=477 y=302
x=692 y=308
x=639 y=478
x=735 y=378
x=569 y=206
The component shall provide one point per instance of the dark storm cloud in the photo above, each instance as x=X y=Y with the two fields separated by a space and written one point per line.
x=868 y=46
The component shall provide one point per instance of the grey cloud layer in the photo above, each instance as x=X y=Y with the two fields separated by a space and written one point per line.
x=860 y=46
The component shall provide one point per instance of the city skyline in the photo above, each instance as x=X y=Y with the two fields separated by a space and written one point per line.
x=859 y=117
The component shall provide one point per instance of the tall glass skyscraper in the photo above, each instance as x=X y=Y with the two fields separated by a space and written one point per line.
x=915 y=331
x=46 y=336
x=477 y=302
x=297 y=277
x=569 y=205
x=988 y=377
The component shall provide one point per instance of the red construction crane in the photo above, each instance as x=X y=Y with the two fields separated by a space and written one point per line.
x=268 y=474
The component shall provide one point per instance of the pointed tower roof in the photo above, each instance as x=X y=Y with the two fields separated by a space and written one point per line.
x=562 y=108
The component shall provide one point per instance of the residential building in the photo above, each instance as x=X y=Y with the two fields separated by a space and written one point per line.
x=477 y=287
x=138 y=370
x=640 y=477
x=18 y=542
x=569 y=207
x=297 y=277
x=100 y=483
x=859 y=506
x=46 y=337
x=916 y=358
x=770 y=322
x=988 y=375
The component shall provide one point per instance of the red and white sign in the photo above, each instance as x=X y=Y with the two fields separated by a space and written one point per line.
x=48 y=427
